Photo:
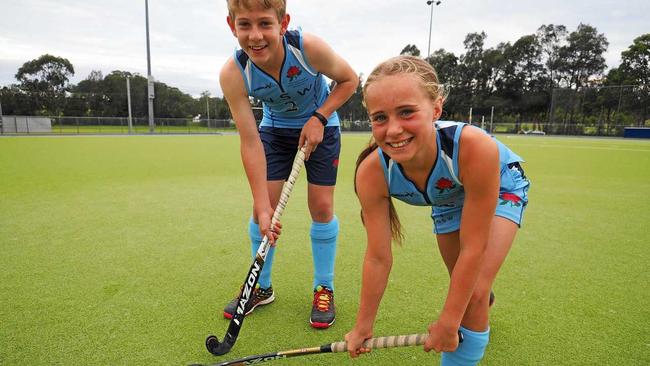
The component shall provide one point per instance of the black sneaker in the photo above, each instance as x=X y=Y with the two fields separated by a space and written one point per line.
x=260 y=296
x=323 y=310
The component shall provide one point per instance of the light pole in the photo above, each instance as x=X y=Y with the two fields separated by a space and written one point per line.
x=431 y=3
x=150 y=87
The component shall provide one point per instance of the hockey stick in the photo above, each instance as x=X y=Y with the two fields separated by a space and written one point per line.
x=373 y=343
x=211 y=342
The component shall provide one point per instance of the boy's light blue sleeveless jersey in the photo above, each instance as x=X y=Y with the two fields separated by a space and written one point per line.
x=290 y=101
x=443 y=189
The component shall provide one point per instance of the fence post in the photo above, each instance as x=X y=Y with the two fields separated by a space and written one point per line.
x=2 y=127
x=491 y=119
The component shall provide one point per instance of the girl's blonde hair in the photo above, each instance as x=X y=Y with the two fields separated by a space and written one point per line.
x=280 y=6
x=430 y=84
x=409 y=65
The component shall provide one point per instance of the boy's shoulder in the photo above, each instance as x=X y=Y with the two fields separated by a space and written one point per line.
x=230 y=76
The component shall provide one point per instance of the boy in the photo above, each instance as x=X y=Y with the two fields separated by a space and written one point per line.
x=285 y=70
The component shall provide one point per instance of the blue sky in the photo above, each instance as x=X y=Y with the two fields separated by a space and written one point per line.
x=190 y=39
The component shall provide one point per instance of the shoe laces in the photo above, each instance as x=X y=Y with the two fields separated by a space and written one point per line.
x=323 y=298
x=253 y=293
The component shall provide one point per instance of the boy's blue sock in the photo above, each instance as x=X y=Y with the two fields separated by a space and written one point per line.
x=256 y=239
x=470 y=351
x=323 y=246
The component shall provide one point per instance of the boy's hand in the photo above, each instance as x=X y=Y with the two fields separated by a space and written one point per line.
x=311 y=135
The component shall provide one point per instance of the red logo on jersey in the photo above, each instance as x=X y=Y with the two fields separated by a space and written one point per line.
x=293 y=72
x=509 y=198
x=335 y=163
x=444 y=184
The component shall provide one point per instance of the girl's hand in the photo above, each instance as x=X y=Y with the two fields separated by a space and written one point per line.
x=441 y=338
x=355 y=343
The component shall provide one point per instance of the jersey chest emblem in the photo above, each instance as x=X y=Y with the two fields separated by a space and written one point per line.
x=445 y=184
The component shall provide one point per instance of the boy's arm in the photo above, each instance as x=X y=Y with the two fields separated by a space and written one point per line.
x=323 y=58
x=252 y=151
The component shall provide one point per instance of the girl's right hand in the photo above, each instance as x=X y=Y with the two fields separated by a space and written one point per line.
x=355 y=343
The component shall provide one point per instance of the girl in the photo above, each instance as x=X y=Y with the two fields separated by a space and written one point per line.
x=474 y=184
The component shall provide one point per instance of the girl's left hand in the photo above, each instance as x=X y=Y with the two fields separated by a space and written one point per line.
x=441 y=338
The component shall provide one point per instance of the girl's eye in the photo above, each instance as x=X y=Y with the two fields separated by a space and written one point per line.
x=379 y=118
x=406 y=112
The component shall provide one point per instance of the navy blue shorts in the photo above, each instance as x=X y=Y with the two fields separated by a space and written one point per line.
x=281 y=145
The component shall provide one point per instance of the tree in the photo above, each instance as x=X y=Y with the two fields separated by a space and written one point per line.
x=45 y=74
x=352 y=109
x=635 y=70
x=446 y=65
x=411 y=50
x=550 y=39
x=635 y=64
x=46 y=78
x=582 y=58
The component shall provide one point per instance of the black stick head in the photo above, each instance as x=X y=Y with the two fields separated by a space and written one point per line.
x=215 y=347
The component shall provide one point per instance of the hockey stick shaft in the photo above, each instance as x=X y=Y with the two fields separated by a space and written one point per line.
x=255 y=270
x=372 y=343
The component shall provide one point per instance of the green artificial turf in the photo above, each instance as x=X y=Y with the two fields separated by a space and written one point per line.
x=124 y=249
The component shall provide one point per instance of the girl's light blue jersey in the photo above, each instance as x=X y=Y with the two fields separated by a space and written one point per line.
x=290 y=101
x=443 y=188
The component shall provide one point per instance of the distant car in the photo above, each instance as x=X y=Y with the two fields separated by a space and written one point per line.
x=534 y=132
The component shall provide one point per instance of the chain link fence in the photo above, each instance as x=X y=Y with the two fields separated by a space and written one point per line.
x=599 y=111
x=20 y=125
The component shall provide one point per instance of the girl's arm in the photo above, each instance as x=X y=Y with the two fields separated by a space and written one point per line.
x=480 y=174
x=373 y=196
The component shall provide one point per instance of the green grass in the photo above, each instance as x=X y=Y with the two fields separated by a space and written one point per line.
x=124 y=249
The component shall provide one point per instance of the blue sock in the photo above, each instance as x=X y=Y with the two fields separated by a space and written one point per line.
x=323 y=247
x=256 y=239
x=470 y=351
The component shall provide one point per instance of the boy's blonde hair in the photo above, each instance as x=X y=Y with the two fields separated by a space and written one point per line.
x=280 y=6
x=409 y=65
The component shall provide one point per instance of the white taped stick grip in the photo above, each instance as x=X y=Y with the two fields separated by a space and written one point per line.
x=298 y=162
x=385 y=342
